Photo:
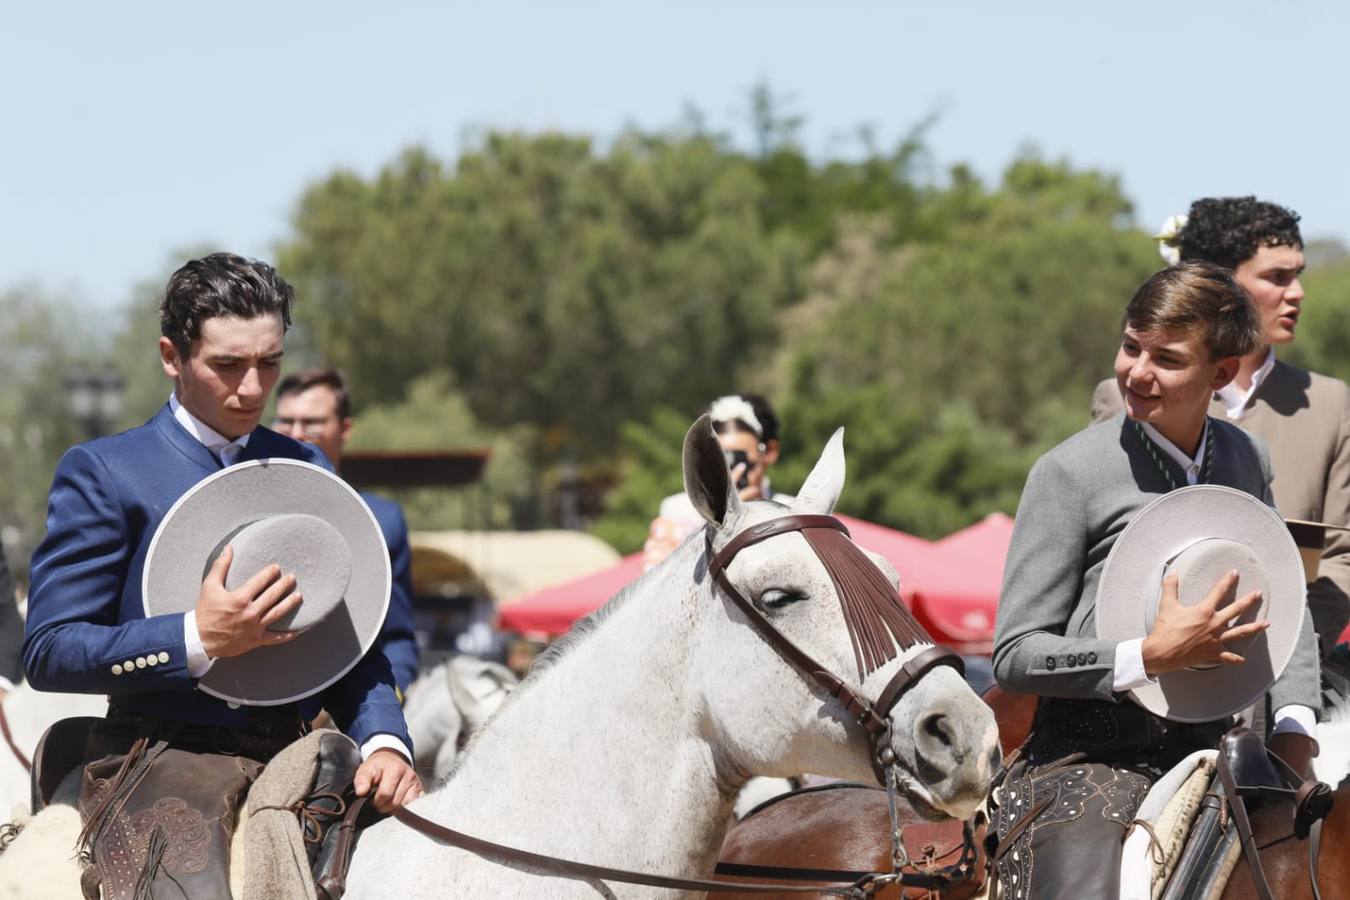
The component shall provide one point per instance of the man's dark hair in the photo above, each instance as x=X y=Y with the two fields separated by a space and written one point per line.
x=1228 y=231
x=1202 y=296
x=303 y=380
x=221 y=284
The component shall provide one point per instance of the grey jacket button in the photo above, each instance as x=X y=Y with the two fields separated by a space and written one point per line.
x=1050 y=663
x=1071 y=660
x=1092 y=658
x=1082 y=659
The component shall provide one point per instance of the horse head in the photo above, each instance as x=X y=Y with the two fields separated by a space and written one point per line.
x=771 y=717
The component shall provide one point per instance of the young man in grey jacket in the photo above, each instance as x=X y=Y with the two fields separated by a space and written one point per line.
x=1184 y=334
x=1303 y=417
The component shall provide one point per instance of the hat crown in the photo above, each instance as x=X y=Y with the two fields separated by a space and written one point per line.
x=1199 y=567
x=302 y=545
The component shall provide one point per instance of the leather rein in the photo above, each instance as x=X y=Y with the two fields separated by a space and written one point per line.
x=870 y=716
x=13 y=746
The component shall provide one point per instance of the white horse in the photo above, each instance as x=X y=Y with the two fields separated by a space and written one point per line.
x=1332 y=763
x=30 y=713
x=627 y=744
x=448 y=704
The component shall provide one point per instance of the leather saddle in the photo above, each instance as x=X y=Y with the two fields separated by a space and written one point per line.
x=330 y=816
x=58 y=762
x=1250 y=778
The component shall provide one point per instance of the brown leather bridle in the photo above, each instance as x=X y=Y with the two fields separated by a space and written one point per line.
x=871 y=716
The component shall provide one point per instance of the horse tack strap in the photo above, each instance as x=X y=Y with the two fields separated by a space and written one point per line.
x=1244 y=828
x=567 y=868
x=871 y=716
x=13 y=746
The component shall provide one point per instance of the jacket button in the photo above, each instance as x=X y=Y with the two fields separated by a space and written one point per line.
x=1082 y=659
x=1092 y=658
x=152 y=660
x=117 y=668
x=1050 y=663
x=1071 y=660
x=128 y=665
x=163 y=656
x=140 y=662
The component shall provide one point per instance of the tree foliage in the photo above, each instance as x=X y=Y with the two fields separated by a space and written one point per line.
x=574 y=304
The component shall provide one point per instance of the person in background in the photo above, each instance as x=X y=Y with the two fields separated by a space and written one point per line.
x=747 y=429
x=1303 y=417
x=313 y=406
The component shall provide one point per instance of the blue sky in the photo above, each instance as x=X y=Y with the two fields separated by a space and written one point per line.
x=133 y=129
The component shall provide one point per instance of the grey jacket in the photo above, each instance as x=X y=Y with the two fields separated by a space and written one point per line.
x=1077 y=500
x=1304 y=419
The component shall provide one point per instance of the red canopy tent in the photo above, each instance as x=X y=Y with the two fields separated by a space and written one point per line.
x=552 y=610
x=952 y=591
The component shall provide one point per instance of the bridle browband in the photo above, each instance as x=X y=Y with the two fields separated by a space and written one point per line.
x=871 y=716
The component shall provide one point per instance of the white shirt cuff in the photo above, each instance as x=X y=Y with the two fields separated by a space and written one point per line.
x=1129 y=668
x=198 y=663
x=1295 y=718
x=384 y=741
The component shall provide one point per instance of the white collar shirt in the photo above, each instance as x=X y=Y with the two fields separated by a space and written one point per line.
x=1235 y=398
x=225 y=449
x=1190 y=465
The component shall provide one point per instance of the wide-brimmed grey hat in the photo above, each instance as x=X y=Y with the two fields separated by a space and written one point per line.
x=1201 y=533
x=305 y=520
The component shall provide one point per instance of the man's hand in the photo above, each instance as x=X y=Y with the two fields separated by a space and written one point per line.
x=391 y=777
x=1185 y=636
x=231 y=623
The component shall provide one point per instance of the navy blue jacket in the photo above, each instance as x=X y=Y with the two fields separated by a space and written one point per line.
x=400 y=641
x=85 y=611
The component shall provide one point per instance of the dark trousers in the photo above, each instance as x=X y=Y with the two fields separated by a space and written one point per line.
x=1064 y=805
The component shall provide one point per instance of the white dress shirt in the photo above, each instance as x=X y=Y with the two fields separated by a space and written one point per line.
x=1129 y=667
x=1235 y=398
x=198 y=663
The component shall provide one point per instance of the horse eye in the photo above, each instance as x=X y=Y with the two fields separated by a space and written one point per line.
x=777 y=599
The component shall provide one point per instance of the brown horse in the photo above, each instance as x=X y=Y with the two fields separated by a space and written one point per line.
x=843 y=827
x=849 y=829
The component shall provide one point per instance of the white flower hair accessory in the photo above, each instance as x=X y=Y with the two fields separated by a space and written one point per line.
x=1169 y=238
x=735 y=407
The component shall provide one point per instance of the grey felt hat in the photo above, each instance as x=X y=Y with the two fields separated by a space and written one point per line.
x=307 y=521
x=1201 y=533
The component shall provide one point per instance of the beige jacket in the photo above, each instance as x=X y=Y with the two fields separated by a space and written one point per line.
x=1304 y=418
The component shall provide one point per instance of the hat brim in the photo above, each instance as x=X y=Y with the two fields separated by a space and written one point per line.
x=1134 y=571
x=219 y=505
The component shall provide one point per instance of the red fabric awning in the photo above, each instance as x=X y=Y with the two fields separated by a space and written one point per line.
x=553 y=610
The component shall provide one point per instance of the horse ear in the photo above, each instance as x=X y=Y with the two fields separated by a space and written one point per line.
x=825 y=483
x=707 y=480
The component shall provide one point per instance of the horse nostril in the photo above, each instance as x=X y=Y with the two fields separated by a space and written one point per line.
x=936 y=725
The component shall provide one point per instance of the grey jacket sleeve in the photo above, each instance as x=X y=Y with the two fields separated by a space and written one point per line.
x=1041 y=586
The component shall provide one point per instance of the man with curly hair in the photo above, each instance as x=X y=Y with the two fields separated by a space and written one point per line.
x=1302 y=416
